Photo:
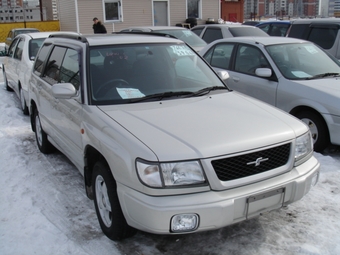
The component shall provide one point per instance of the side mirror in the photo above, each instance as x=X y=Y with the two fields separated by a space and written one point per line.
x=224 y=75
x=263 y=72
x=64 y=90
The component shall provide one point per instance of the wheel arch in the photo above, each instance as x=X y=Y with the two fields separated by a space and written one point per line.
x=91 y=156
x=295 y=111
x=32 y=108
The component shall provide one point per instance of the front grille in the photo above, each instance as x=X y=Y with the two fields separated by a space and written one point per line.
x=228 y=169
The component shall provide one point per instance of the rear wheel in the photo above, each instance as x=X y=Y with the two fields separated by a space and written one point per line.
x=109 y=212
x=318 y=128
x=43 y=144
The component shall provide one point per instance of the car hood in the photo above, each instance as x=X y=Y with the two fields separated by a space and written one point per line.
x=205 y=127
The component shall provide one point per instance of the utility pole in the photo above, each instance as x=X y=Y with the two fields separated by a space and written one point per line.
x=41 y=11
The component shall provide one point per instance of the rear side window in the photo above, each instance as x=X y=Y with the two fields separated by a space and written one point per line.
x=323 y=36
x=39 y=62
x=12 y=47
x=220 y=55
x=212 y=34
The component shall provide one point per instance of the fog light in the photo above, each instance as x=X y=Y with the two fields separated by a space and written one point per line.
x=184 y=222
x=315 y=179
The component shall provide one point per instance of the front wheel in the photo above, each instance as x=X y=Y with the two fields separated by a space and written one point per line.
x=109 y=212
x=318 y=128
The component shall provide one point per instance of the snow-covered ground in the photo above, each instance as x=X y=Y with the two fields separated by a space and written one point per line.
x=44 y=210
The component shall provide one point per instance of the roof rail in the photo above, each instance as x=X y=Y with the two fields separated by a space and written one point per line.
x=146 y=33
x=69 y=36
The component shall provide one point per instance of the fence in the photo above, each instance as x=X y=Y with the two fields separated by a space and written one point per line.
x=43 y=26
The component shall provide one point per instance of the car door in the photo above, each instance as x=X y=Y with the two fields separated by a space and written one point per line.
x=67 y=113
x=9 y=63
x=241 y=62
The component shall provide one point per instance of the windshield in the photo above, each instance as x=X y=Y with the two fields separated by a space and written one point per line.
x=302 y=61
x=124 y=73
x=185 y=35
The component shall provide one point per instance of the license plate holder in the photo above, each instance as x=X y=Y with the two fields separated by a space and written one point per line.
x=266 y=201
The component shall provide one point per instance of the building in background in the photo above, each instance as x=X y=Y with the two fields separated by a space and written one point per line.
x=26 y=10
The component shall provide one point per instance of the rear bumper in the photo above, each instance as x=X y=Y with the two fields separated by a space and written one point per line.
x=217 y=209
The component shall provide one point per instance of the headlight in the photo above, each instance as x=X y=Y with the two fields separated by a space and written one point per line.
x=170 y=174
x=303 y=147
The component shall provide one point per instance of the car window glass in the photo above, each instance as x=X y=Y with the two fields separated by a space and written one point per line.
x=212 y=34
x=52 y=70
x=69 y=71
x=10 y=34
x=220 y=55
x=19 y=49
x=279 y=29
x=323 y=36
x=39 y=63
x=249 y=58
x=246 y=31
x=264 y=27
x=197 y=31
x=298 y=30
x=34 y=46
x=12 y=47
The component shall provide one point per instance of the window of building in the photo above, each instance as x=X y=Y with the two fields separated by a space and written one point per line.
x=194 y=8
x=112 y=10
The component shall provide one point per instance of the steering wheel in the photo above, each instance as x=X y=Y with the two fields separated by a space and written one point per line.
x=109 y=85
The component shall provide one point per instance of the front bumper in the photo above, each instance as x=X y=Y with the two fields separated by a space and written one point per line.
x=217 y=209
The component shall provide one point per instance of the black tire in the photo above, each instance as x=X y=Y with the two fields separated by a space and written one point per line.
x=8 y=88
x=108 y=209
x=43 y=144
x=23 y=104
x=317 y=127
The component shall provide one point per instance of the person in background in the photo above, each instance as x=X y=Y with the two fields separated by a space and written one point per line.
x=98 y=27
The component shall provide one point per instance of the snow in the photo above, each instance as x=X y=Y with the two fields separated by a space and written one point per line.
x=44 y=209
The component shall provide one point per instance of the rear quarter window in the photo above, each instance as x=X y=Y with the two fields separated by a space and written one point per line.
x=212 y=34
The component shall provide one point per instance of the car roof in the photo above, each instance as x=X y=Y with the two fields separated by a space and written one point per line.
x=271 y=40
x=274 y=22
x=223 y=25
x=111 y=39
x=24 y=29
x=155 y=28
x=37 y=35
x=318 y=20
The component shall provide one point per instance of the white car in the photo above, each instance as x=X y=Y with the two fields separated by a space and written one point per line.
x=294 y=75
x=212 y=32
x=17 y=65
x=163 y=145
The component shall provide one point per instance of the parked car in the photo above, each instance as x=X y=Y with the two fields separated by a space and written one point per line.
x=275 y=27
x=17 y=31
x=212 y=32
x=181 y=33
x=251 y=22
x=294 y=75
x=163 y=145
x=17 y=65
x=322 y=31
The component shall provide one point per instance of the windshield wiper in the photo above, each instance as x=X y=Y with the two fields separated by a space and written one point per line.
x=160 y=96
x=206 y=90
x=323 y=75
